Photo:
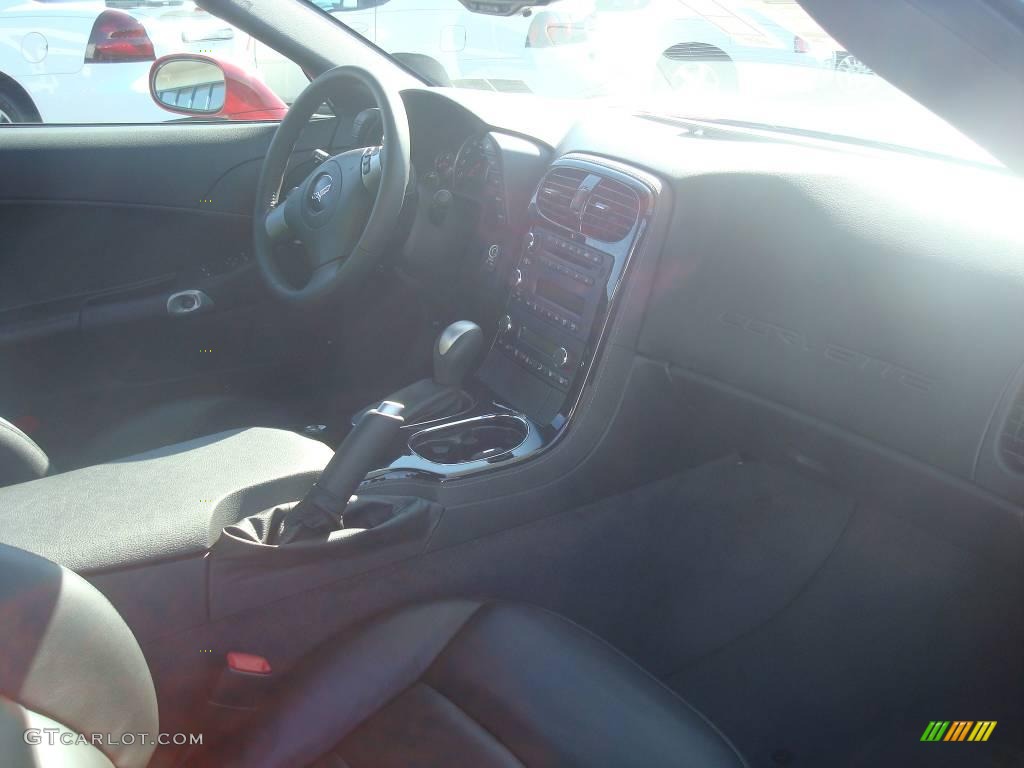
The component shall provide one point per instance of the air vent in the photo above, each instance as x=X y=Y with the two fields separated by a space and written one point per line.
x=557 y=190
x=585 y=202
x=611 y=211
x=1011 y=442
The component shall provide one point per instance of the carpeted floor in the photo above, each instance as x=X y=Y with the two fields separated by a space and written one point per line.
x=897 y=628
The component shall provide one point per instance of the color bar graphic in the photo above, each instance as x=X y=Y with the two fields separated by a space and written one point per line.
x=982 y=730
x=958 y=730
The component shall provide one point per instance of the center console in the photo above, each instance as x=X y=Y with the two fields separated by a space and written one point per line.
x=186 y=537
x=230 y=494
x=585 y=219
x=560 y=288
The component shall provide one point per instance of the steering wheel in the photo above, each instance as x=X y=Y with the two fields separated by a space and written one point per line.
x=345 y=212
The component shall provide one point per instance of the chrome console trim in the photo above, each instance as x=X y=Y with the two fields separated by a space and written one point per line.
x=414 y=462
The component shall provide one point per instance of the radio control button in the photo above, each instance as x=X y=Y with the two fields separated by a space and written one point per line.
x=561 y=357
x=505 y=324
x=518 y=277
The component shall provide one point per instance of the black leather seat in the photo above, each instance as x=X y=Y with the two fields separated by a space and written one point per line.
x=454 y=683
x=21 y=459
x=483 y=685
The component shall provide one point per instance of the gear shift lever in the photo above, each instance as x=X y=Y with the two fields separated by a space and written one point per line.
x=322 y=510
x=456 y=352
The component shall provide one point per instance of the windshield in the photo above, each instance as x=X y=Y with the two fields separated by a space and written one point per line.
x=756 y=61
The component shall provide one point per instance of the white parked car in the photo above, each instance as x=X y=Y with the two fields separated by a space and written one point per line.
x=87 y=61
x=501 y=53
x=697 y=43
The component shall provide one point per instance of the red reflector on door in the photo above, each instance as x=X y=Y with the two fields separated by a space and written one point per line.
x=247 y=662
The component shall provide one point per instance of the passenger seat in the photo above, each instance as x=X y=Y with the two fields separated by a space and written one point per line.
x=453 y=683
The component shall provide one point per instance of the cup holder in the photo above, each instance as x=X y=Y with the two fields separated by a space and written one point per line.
x=479 y=439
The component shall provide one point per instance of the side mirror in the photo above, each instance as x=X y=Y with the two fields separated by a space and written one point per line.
x=201 y=86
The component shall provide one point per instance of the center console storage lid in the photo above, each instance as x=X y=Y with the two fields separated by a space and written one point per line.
x=166 y=503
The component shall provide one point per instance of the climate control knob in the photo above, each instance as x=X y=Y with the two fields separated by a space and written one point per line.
x=561 y=357
x=517 y=277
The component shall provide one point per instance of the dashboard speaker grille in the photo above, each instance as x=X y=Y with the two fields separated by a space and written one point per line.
x=611 y=211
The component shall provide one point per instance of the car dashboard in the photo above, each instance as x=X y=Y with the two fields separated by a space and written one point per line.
x=773 y=274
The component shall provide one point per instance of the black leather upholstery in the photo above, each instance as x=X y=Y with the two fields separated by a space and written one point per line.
x=142 y=508
x=68 y=660
x=454 y=683
x=161 y=425
x=20 y=458
x=470 y=684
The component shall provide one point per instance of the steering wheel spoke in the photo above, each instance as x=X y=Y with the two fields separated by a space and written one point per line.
x=276 y=224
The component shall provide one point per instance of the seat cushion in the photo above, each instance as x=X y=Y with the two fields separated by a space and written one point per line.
x=492 y=684
x=180 y=420
x=68 y=662
x=143 y=509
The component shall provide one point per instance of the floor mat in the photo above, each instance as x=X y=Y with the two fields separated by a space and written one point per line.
x=897 y=629
x=712 y=553
x=671 y=570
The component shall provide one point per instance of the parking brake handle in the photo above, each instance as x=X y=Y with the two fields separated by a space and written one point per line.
x=322 y=510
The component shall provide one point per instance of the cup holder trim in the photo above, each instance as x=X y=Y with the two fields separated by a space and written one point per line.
x=494 y=418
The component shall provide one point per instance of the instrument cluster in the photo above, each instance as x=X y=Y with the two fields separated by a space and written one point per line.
x=470 y=168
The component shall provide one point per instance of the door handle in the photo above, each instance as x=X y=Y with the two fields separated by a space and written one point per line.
x=192 y=302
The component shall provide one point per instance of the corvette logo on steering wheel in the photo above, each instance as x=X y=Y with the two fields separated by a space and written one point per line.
x=320 y=189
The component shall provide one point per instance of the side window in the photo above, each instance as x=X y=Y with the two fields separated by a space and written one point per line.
x=66 y=61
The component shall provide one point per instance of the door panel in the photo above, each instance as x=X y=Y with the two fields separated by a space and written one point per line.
x=101 y=225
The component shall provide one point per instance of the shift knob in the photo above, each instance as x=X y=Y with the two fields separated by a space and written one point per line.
x=456 y=352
